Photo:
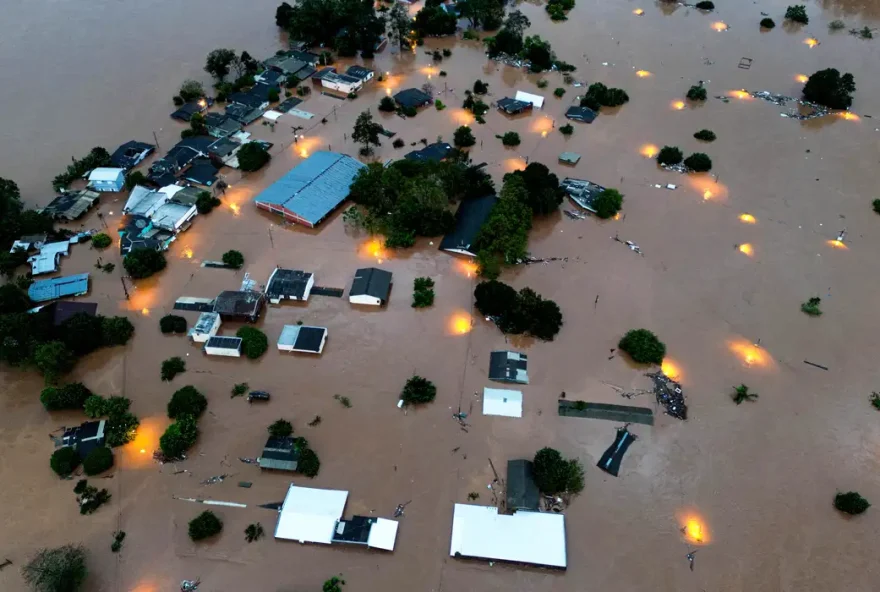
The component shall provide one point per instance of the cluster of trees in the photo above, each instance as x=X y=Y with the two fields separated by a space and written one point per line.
x=28 y=339
x=220 y=62
x=62 y=569
x=410 y=199
x=697 y=92
x=254 y=342
x=672 y=155
x=485 y=14
x=643 y=346
x=205 y=202
x=204 y=526
x=185 y=407
x=142 y=263
x=172 y=367
x=554 y=474
x=172 y=324
x=598 y=95
x=433 y=21
x=348 y=26
x=97 y=157
x=797 y=13
x=418 y=390
x=503 y=238
x=475 y=105
x=830 y=88
x=308 y=464
x=121 y=427
x=510 y=42
x=16 y=221
x=233 y=259
x=423 y=292
x=557 y=9
x=252 y=157
x=518 y=312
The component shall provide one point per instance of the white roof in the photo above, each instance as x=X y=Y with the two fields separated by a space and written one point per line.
x=502 y=402
x=524 y=537
x=61 y=247
x=143 y=201
x=535 y=100
x=43 y=263
x=309 y=515
x=205 y=324
x=105 y=174
x=383 y=533
x=169 y=215
x=272 y=115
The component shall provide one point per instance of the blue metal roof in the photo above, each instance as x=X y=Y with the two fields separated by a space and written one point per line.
x=313 y=188
x=71 y=285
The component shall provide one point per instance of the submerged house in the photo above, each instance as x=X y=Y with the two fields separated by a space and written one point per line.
x=536 y=538
x=513 y=107
x=71 y=204
x=187 y=110
x=240 y=305
x=502 y=402
x=436 y=152
x=343 y=83
x=61 y=310
x=582 y=114
x=47 y=260
x=289 y=284
x=371 y=286
x=310 y=191
x=280 y=454
x=130 y=154
x=469 y=218
x=535 y=100
x=223 y=346
x=107 y=179
x=140 y=233
x=361 y=73
x=413 y=97
x=522 y=491
x=205 y=328
x=163 y=171
x=160 y=208
x=311 y=515
x=302 y=339
x=508 y=366
x=85 y=437
x=582 y=192
x=220 y=125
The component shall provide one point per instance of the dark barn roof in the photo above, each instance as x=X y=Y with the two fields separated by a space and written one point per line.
x=359 y=72
x=507 y=366
x=522 y=493
x=64 y=309
x=202 y=172
x=435 y=152
x=356 y=530
x=239 y=304
x=373 y=282
x=186 y=111
x=469 y=218
x=412 y=97
x=279 y=454
x=249 y=100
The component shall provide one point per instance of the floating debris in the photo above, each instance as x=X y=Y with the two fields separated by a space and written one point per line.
x=574 y=215
x=215 y=479
x=669 y=394
x=249 y=461
x=190 y=585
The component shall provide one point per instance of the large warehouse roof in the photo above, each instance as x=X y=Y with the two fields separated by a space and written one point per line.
x=312 y=189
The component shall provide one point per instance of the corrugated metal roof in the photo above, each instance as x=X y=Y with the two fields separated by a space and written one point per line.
x=71 y=285
x=312 y=189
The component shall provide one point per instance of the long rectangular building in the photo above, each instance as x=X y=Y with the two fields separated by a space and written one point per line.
x=310 y=191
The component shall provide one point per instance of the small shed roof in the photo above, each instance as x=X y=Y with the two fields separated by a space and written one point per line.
x=412 y=97
x=62 y=310
x=302 y=337
x=536 y=100
x=570 y=157
x=525 y=537
x=508 y=366
x=313 y=188
x=224 y=342
x=309 y=515
x=240 y=303
x=371 y=281
x=359 y=72
x=205 y=323
x=522 y=492
x=130 y=154
x=186 y=111
x=105 y=174
x=584 y=114
x=279 y=454
x=469 y=218
x=71 y=285
x=512 y=106
x=504 y=402
x=72 y=205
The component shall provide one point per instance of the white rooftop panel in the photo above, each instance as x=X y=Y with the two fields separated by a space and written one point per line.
x=309 y=515
x=535 y=100
x=506 y=403
x=383 y=534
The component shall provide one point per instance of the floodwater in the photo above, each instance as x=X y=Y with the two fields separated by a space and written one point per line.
x=754 y=483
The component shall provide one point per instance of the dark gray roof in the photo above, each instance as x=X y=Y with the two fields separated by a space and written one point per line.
x=469 y=218
x=512 y=106
x=413 y=97
x=130 y=154
x=508 y=366
x=287 y=104
x=279 y=454
x=186 y=111
x=371 y=281
x=435 y=152
x=273 y=77
x=64 y=309
x=356 y=530
x=224 y=342
x=85 y=437
x=236 y=303
x=223 y=147
x=309 y=338
x=72 y=205
x=323 y=73
x=522 y=493
x=202 y=172
x=584 y=114
x=243 y=113
x=247 y=99
x=305 y=56
x=188 y=195
x=359 y=72
x=262 y=90
x=288 y=283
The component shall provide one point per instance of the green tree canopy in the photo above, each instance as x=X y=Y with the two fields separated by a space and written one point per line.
x=179 y=437
x=543 y=193
x=554 y=474
x=98 y=460
x=252 y=156
x=142 y=263
x=464 y=137
x=52 y=359
x=233 y=259
x=418 y=390
x=280 y=428
x=643 y=346
x=205 y=525
x=366 y=132
x=187 y=401
x=218 y=62
x=830 y=89
x=608 y=203
x=254 y=342
x=64 y=461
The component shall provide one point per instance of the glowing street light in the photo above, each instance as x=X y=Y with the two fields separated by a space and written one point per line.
x=638 y=12
x=719 y=26
x=801 y=77
x=746 y=249
x=747 y=219
x=678 y=105
x=649 y=150
x=642 y=73
x=809 y=41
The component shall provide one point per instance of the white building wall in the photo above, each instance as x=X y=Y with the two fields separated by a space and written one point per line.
x=222 y=351
x=365 y=299
x=343 y=87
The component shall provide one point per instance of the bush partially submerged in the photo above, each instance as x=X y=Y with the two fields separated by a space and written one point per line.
x=742 y=393
x=179 y=437
x=62 y=569
x=463 y=137
x=767 y=23
x=309 y=464
x=811 y=306
x=142 y=263
x=205 y=525
x=705 y=5
x=254 y=342
x=510 y=139
x=797 y=13
x=566 y=130
x=418 y=390
x=280 y=428
x=669 y=155
x=705 y=135
x=69 y=396
x=101 y=241
x=387 y=105
x=423 y=292
x=187 y=401
x=518 y=312
x=172 y=324
x=698 y=162
x=172 y=367
x=233 y=259
x=643 y=346
x=64 y=461
x=98 y=460
x=598 y=95
x=876 y=206
x=554 y=474
x=830 y=88
x=697 y=93
x=851 y=503
x=608 y=203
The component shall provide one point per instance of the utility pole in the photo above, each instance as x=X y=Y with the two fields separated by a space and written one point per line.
x=124 y=287
x=156 y=139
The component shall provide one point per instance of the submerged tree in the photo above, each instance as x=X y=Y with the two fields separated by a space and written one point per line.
x=554 y=474
x=851 y=503
x=608 y=203
x=418 y=390
x=643 y=346
x=62 y=569
x=366 y=132
x=669 y=156
x=742 y=393
x=399 y=25
x=811 y=306
x=830 y=89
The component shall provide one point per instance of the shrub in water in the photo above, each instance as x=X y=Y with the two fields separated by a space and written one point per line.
x=98 y=460
x=205 y=525
x=643 y=346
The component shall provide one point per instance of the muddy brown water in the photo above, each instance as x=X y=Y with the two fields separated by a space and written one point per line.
x=753 y=482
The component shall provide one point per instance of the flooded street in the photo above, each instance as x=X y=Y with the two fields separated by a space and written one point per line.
x=728 y=259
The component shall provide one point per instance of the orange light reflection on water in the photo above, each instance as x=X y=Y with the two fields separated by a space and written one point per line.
x=460 y=323
x=236 y=209
x=849 y=116
x=811 y=42
x=693 y=527
x=462 y=116
x=747 y=219
x=638 y=12
x=836 y=244
x=514 y=164
x=801 y=77
x=747 y=249
x=719 y=26
x=751 y=355
x=139 y=452
x=374 y=248
x=706 y=186
x=739 y=94
x=649 y=150
x=678 y=105
x=672 y=369
x=642 y=73
x=466 y=268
